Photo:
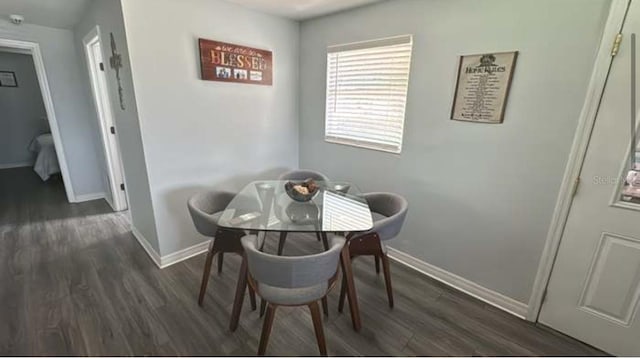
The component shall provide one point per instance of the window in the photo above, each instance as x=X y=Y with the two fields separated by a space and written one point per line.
x=367 y=93
x=631 y=186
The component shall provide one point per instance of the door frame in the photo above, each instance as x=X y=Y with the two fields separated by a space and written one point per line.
x=113 y=156
x=586 y=122
x=33 y=48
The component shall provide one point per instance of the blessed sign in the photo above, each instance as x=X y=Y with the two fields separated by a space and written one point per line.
x=483 y=87
x=220 y=61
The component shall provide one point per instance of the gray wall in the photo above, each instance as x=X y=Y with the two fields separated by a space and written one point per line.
x=107 y=14
x=22 y=113
x=202 y=134
x=481 y=196
x=80 y=139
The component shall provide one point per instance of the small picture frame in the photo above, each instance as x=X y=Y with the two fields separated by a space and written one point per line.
x=482 y=87
x=8 y=79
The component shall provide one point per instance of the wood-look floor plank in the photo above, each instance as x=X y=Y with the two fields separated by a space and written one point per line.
x=52 y=329
x=75 y=282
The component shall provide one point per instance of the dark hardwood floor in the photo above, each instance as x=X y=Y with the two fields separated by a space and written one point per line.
x=74 y=281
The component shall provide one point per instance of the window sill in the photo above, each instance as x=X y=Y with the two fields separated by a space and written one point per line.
x=363 y=145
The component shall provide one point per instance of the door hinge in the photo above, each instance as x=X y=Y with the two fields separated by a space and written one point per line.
x=122 y=186
x=616 y=44
x=101 y=66
x=576 y=185
x=113 y=130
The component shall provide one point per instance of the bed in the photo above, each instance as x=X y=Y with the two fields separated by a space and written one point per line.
x=46 y=159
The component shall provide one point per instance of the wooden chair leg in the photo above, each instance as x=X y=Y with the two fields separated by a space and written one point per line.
x=377 y=259
x=318 y=236
x=241 y=288
x=266 y=329
x=325 y=306
x=281 y=242
x=252 y=298
x=317 y=326
x=263 y=307
x=343 y=294
x=220 y=260
x=205 y=274
x=354 y=308
x=387 y=278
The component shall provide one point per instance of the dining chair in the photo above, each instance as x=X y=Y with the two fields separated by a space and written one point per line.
x=292 y=281
x=205 y=209
x=301 y=175
x=389 y=211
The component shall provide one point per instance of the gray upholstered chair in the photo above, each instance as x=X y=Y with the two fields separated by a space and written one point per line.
x=205 y=209
x=301 y=175
x=292 y=281
x=389 y=212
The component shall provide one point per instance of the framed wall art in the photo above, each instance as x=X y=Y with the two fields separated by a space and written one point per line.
x=482 y=87
x=221 y=61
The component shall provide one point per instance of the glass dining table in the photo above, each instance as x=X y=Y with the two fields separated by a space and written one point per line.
x=265 y=206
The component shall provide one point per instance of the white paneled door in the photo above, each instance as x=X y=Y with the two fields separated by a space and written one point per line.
x=594 y=290
x=97 y=67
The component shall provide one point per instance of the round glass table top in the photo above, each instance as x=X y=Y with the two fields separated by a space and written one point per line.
x=266 y=206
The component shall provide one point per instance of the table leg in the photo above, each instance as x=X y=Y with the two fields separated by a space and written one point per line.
x=325 y=240
x=345 y=260
x=241 y=287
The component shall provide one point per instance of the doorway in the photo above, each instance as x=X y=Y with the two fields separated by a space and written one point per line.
x=593 y=292
x=96 y=66
x=33 y=49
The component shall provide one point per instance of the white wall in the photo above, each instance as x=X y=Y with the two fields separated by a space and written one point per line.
x=202 y=134
x=107 y=14
x=481 y=196
x=22 y=112
x=71 y=104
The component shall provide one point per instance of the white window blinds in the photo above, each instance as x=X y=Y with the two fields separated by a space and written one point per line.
x=367 y=92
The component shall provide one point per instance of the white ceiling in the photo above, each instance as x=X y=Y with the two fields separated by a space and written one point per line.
x=62 y=14
x=301 y=9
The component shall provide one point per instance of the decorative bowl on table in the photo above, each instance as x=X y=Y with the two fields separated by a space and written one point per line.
x=302 y=191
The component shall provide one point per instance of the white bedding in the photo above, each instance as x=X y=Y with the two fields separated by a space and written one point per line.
x=46 y=160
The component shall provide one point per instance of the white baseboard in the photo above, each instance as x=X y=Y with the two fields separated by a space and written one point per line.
x=4 y=166
x=147 y=247
x=473 y=289
x=169 y=259
x=184 y=254
x=88 y=197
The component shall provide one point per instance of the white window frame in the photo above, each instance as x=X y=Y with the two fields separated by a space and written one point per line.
x=390 y=41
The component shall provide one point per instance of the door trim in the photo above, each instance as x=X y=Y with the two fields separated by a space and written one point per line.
x=33 y=48
x=581 y=140
x=112 y=157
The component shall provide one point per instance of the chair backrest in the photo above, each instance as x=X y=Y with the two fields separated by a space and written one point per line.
x=301 y=175
x=394 y=207
x=202 y=207
x=292 y=272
